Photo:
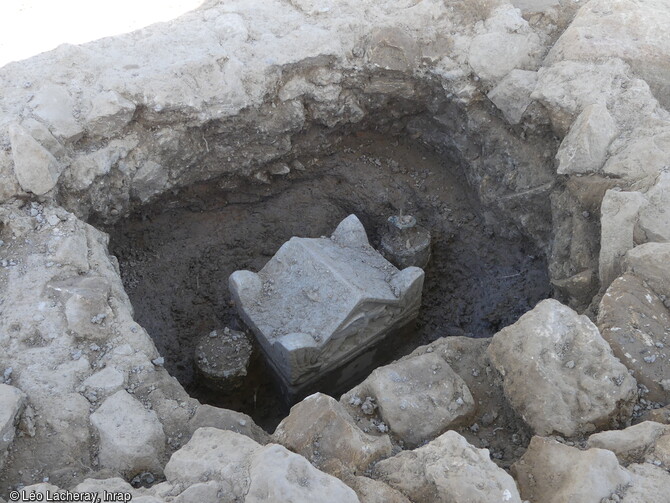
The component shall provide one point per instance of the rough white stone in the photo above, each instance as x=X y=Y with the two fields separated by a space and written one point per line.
x=633 y=31
x=507 y=44
x=418 y=398
x=567 y=87
x=150 y=179
x=512 y=94
x=494 y=55
x=631 y=444
x=12 y=403
x=320 y=302
x=634 y=321
x=87 y=307
x=448 y=469
x=248 y=471
x=640 y=157
x=131 y=437
x=213 y=454
x=527 y=6
x=88 y=166
x=654 y=221
x=36 y=169
x=319 y=429
x=109 y=114
x=105 y=382
x=374 y=491
x=550 y=472
x=54 y=105
x=584 y=149
x=279 y=475
x=619 y=213
x=648 y=483
x=649 y=262
x=559 y=374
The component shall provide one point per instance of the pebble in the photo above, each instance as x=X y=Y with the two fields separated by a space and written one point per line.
x=368 y=407
x=650 y=358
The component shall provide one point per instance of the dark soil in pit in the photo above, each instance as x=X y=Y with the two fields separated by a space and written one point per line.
x=176 y=255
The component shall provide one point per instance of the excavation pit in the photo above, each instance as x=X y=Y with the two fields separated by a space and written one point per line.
x=205 y=143
x=177 y=253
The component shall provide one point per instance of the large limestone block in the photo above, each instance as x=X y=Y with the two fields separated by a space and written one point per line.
x=131 y=437
x=12 y=403
x=649 y=262
x=648 y=483
x=512 y=94
x=87 y=306
x=654 y=222
x=507 y=43
x=642 y=157
x=494 y=55
x=632 y=444
x=213 y=454
x=550 y=472
x=280 y=475
x=374 y=491
x=55 y=106
x=36 y=169
x=417 y=398
x=635 y=31
x=584 y=149
x=319 y=429
x=318 y=303
x=104 y=383
x=559 y=374
x=568 y=87
x=619 y=214
x=636 y=324
x=448 y=469
x=246 y=471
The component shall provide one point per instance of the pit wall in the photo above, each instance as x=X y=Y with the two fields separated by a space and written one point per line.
x=249 y=89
